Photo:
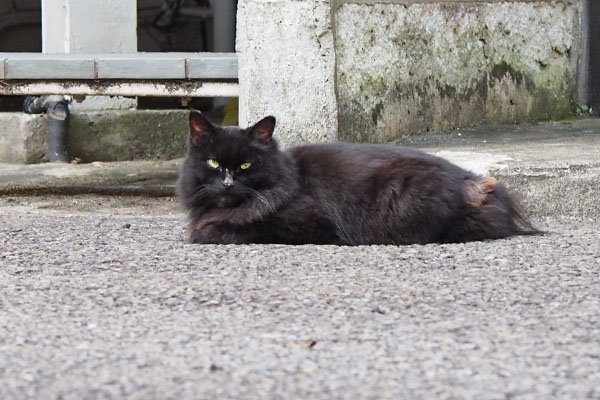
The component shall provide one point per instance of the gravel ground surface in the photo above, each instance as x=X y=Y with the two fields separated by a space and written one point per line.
x=101 y=298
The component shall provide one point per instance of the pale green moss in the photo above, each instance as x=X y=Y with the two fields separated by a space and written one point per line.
x=437 y=67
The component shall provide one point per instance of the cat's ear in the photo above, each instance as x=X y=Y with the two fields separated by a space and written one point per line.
x=201 y=130
x=262 y=131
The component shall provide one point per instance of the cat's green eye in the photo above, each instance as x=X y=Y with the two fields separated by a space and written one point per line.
x=213 y=163
x=245 y=165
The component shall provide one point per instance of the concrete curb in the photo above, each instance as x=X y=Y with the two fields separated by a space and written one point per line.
x=145 y=178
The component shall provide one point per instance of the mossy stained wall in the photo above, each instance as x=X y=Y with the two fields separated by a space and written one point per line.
x=403 y=69
x=128 y=135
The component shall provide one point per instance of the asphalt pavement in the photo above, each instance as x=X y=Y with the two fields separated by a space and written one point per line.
x=100 y=297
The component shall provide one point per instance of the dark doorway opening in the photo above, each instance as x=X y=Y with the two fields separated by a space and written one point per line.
x=594 y=55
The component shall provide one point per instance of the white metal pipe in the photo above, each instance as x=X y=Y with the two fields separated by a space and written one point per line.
x=120 y=88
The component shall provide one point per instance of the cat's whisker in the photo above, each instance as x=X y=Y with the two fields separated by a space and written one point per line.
x=260 y=197
x=199 y=194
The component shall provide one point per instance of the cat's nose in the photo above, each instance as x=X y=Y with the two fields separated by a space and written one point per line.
x=228 y=180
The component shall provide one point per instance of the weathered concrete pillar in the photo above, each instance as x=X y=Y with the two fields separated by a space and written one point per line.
x=287 y=67
x=75 y=26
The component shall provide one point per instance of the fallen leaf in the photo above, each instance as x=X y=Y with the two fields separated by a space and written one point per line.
x=306 y=345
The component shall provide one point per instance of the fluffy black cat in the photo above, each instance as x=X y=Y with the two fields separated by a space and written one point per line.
x=238 y=187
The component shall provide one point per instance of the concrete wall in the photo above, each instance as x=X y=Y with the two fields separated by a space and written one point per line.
x=108 y=135
x=440 y=65
x=403 y=67
x=128 y=135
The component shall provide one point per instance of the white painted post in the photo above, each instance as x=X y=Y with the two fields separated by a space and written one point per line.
x=287 y=68
x=75 y=26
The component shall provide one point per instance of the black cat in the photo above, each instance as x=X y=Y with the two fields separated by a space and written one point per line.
x=238 y=187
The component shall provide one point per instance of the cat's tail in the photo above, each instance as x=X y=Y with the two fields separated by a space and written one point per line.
x=520 y=224
x=490 y=213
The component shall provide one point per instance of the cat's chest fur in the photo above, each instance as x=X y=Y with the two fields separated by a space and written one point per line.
x=238 y=187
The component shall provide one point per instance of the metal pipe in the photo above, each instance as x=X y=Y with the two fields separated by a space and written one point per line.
x=57 y=109
x=58 y=125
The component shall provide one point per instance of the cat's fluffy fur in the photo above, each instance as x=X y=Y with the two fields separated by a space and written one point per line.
x=332 y=193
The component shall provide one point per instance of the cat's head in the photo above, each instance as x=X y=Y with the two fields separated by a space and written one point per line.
x=230 y=165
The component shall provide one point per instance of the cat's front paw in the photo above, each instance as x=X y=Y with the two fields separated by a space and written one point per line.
x=215 y=234
x=205 y=235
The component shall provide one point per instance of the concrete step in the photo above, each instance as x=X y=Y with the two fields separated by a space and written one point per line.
x=553 y=168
